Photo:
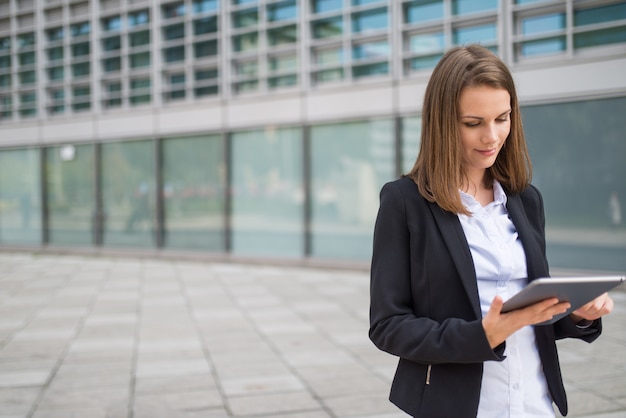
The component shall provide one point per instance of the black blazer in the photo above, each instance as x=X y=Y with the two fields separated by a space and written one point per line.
x=424 y=303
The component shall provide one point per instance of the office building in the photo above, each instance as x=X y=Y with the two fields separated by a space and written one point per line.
x=265 y=128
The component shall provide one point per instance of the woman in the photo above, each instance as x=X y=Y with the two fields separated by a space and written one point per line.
x=460 y=233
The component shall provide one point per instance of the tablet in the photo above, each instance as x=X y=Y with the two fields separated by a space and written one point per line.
x=575 y=290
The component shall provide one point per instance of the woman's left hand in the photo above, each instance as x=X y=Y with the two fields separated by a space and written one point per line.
x=593 y=310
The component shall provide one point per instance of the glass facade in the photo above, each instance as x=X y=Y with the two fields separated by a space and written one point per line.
x=70 y=194
x=20 y=197
x=192 y=33
x=194 y=181
x=346 y=176
x=303 y=188
x=292 y=192
x=267 y=193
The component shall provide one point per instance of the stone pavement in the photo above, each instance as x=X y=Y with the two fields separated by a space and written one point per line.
x=98 y=337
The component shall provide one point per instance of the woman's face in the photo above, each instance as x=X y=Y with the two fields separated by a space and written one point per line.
x=484 y=124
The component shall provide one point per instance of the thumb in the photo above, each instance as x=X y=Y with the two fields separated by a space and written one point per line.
x=496 y=305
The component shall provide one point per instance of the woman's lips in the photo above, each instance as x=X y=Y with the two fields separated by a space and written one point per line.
x=488 y=152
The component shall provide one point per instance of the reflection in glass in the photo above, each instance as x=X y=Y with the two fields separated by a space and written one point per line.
x=285 y=10
x=370 y=50
x=245 y=42
x=193 y=192
x=205 y=25
x=326 y=28
x=329 y=56
x=475 y=34
x=422 y=43
x=267 y=205
x=70 y=194
x=139 y=38
x=543 y=23
x=411 y=138
x=423 y=11
x=581 y=233
x=349 y=164
x=600 y=37
x=368 y=70
x=369 y=20
x=283 y=35
x=245 y=18
x=544 y=46
x=321 y=6
x=600 y=14
x=460 y=7
x=128 y=193
x=205 y=49
x=283 y=63
x=20 y=197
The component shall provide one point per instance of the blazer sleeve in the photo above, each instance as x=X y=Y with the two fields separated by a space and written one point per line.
x=394 y=326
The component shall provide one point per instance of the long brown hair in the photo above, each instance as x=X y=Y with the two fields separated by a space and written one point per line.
x=438 y=172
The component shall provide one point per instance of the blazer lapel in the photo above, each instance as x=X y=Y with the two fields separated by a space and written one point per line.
x=517 y=214
x=454 y=237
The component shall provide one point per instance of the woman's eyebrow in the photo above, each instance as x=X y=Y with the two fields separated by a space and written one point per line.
x=481 y=118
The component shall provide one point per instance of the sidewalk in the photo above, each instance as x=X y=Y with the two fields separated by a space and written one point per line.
x=93 y=337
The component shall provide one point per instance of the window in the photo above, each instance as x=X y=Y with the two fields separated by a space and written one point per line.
x=5 y=44
x=26 y=59
x=111 y=24
x=284 y=63
x=139 y=38
x=55 y=34
x=172 y=32
x=55 y=53
x=245 y=18
x=206 y=74
x=80 y=29
x=28 y=104
x=80 y=70
x=112 y=64
x=174 y=54
x=323 y=6
x=369 y=50
x=247 y=68
x=283 y=35
x=282 y=81
x=27 y=78
x=26 y=40
x=139 y=91
x=543 y=46
x=368 y=70
x=327 y=28
x=286 y=10
x=205 y=25
x=174 y=10
x=543 y=24
x=139 y=60
x=461 y=7
x=423 y=11
x=329 y=56
x=5 y=61
x=138 y=18
x=245 y=42
x=205 y=49
x=204 y=6
x=81 y=49
x=5 y=81
x=113 y=94
x=599 y=15
x=484 y=34
x=176 y=86
x=56 y=73
x=370 y=20
x=425 y=43
x=81 y=98
x=112 y=44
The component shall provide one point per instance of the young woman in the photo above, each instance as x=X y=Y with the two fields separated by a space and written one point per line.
x=460 y=233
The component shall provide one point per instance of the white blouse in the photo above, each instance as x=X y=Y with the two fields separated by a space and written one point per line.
x=515 y=387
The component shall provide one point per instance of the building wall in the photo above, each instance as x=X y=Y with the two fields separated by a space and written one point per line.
x=287 y=163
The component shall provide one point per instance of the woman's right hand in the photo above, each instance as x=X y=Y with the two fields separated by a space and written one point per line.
x=499 y=326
